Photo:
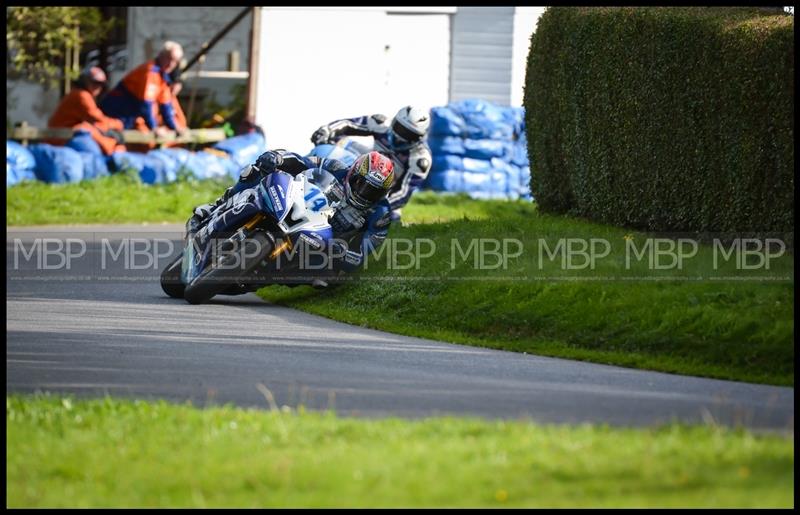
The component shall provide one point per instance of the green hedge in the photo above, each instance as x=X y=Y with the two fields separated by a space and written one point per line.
x=664 y=118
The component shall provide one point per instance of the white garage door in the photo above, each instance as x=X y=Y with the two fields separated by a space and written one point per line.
x=317 y=65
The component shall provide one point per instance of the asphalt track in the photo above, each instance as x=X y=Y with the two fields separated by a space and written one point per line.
x=93 y=331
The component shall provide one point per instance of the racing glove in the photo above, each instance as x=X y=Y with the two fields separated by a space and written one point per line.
x=321 y=135
x=269 y=161
x=203 y=210
x=343 y=257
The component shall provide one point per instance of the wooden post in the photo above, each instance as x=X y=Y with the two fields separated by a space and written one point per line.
x=24 y=127
x=192 y=96
x=71 y=61
x=67 y=68
x=76 y=52
x=233 y=61
x=252 y=80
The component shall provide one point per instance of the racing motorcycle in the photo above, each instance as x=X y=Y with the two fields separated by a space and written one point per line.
x=245 y=242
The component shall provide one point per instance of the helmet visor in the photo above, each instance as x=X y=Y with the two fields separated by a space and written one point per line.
x=364 y=192
x=404 y=132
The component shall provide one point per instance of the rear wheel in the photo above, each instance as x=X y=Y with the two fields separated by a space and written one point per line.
x=230 y=269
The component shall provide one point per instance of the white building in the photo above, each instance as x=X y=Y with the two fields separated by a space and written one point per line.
x=318 y=64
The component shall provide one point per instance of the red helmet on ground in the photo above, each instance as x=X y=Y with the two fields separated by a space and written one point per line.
x=368 y=180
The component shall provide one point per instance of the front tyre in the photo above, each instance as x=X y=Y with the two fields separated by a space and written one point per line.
x=171 y=279
x=228 y=270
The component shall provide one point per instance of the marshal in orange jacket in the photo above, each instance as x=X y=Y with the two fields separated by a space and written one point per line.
x=78 y=110
x=137 y=94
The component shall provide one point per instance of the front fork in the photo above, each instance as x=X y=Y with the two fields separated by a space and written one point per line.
x=189 y=262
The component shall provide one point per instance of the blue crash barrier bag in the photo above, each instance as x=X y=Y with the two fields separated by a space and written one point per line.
x=19 y=157
x=15 y=176
x=244 y=149
x=57 y=164
x=479 y=148
x=127 y=161
x=82 y=158
x=487 y=148
x=447 y=180
x=205 y=165
x=483 y=120
x=20 y=163
x=519 y=155
x=94 y=166
x=165 y=165
x=444 y=162
x=160 y=166
x=446 y=122
x=82 y=142
x=450 y=145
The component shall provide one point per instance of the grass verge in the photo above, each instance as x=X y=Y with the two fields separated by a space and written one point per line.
x=119 y=198
x=63 y=452
x=707 y=318
x=727 y=325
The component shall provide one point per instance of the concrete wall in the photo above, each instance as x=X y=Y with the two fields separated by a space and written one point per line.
x=30 y=102
x=149 y=27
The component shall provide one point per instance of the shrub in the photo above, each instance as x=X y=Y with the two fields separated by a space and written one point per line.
x=663 y=118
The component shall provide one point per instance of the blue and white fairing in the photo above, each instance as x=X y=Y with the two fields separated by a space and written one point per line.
x=274 y=190
x=298 y=206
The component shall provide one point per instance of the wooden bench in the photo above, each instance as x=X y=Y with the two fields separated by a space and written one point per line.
x=24 y=133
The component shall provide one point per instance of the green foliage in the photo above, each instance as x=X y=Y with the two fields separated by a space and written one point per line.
x=65 y=452
x=729 y=329
x=670 y=119
x=34 y=202
x=211 y=113
x=702 y=319
x=39 y=37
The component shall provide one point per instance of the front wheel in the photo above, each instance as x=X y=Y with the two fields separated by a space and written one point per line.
x=171 y=279
x=228 y=269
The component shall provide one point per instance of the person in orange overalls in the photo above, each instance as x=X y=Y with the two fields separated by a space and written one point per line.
x=142 y=89
x=175 y=86
x=78 y=110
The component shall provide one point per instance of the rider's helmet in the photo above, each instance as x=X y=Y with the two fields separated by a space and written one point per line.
x=410 y=124
x=368 y=180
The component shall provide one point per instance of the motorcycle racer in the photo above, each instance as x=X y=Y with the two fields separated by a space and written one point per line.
x=362 y=213
x=402 y=139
